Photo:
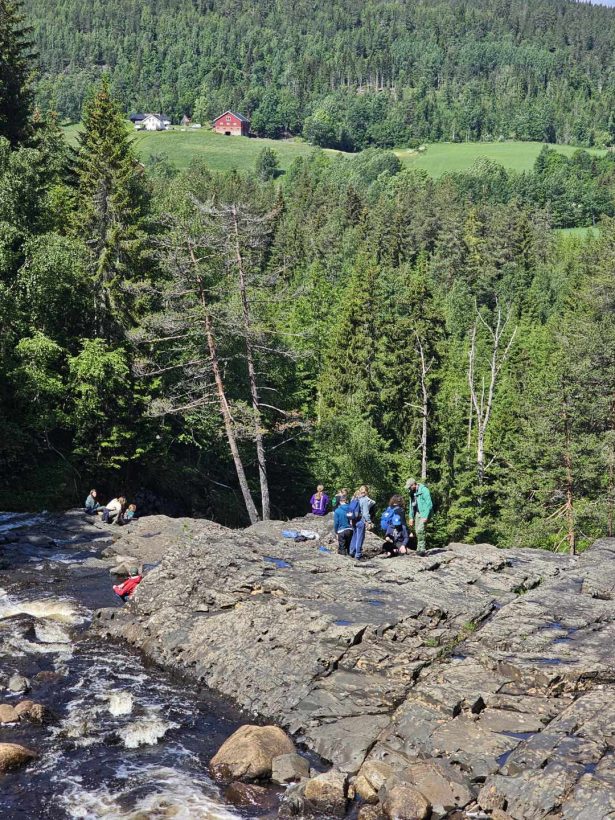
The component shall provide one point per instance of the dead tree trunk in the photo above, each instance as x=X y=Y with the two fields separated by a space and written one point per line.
x=569 y=506
x=482 y=396
x=258 y=425
x=425 y=368
x=223 y=404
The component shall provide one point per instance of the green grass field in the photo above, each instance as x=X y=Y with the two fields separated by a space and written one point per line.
x=444 y=157
x=219 y=152
x=578 y=233
x=223 y=153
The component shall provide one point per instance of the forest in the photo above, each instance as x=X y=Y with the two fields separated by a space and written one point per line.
x=225 y=341
x=346 y=74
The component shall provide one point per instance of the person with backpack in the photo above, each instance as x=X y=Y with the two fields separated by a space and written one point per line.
x=420 y=511
x=342 y=525
x=361 y=508
x=396 y=538
x=396 y=507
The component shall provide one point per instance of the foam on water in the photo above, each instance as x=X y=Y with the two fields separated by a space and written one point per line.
x=57 y=609
x=145 y=731
x=171 y=794
x=120 y=703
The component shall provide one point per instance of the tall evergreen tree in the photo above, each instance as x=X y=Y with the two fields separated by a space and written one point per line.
x=15 y=73
x=110 y=208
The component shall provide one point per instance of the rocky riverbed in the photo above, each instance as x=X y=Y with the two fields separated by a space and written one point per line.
x=474 y=682
x=89 y=728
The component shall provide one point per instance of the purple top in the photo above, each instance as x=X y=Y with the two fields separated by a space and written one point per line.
x=319 y=507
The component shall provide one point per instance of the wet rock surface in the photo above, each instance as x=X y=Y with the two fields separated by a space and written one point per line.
x=481 y=679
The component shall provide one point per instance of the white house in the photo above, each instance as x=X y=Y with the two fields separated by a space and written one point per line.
x=154 y=122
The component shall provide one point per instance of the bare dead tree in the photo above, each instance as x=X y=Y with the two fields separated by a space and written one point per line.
x=425 y=396
x=182 y=336
x=482 y=388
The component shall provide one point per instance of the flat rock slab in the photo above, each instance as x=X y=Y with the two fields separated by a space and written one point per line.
x=485 y=659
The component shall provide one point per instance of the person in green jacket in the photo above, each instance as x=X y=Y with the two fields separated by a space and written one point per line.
x=420 y=510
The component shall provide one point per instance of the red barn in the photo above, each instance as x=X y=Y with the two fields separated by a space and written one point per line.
x=231 y=124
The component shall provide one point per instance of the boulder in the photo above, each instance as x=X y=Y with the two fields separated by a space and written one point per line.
x=248 y=753
x=326 y=793
x=441 y=784
x=404 y=802
x=17 y=683
x=8 y=714
x=371 y=778
x=288 y=768
x=250 y=796
x=13 y=755
x=369 y=812
x=35 y=712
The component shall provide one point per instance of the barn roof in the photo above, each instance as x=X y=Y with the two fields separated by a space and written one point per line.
x=240 y=117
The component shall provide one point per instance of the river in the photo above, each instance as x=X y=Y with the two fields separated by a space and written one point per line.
x=125 y=739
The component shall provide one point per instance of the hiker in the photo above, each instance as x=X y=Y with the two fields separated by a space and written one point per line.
x=360 y=511
x=342 y=525
x=420 y=510
x=112 y=513
x=396 y=539
x=396 y=507
x=125 y=590
x=91 y=503
x=319 y=501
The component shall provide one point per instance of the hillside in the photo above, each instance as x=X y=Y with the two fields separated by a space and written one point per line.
x=348 y=73
x=181 y=147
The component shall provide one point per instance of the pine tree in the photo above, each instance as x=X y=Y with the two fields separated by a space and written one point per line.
x=110 y=207
x=15 y=71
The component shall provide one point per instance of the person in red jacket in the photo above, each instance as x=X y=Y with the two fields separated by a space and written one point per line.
x=125 y=590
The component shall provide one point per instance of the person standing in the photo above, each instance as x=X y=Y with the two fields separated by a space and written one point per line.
x=420 y=510
x=361 y=515
x=342 y=524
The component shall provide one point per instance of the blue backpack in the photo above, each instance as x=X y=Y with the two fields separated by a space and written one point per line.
x=385 y=518
x=354 y=511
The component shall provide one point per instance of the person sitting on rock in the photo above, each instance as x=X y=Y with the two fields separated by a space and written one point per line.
x=129 y=515
x=125 y=590
x=319 y=501
x=112 y=514
x=91 y=503
x=396 y=539
x=342 y=525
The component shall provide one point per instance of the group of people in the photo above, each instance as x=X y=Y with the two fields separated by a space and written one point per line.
x=117 y=511
x=352 y=517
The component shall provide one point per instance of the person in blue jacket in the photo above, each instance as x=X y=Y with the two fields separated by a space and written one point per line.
x=342 y=524
x=396 y=539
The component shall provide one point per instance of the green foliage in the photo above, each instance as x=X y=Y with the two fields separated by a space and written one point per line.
x=102 y=406
x=351 y=74
x=110 y=208
x=267 y=165
x=363 y=281
x=15 y=71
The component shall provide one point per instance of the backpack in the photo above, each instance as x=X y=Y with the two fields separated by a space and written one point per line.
x=354 y=511
x=385 y=518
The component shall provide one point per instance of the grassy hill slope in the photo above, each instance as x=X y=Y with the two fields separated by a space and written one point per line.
x=222 y=153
